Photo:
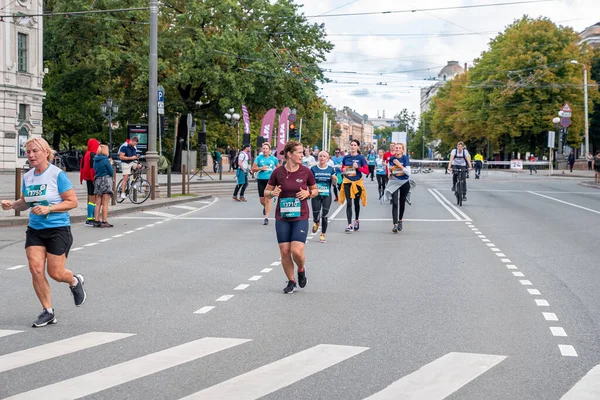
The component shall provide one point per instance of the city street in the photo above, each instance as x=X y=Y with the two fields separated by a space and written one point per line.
x=497 y=299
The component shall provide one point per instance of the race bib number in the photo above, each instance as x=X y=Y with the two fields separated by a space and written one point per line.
x=350 y=171
x=35 y=195
x=323 y=188
x=289 y=207
x=397 y=171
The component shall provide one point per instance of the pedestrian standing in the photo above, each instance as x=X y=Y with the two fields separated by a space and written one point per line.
x=86 y=173
x=49 y=194
x=103 y=186
x=324 y=177
x=264 y=164
x=596 y=164
x=571 y=160
x=293 y=184
x=354 y=165
x=532 y=168
x=398 y=186
x=590 y=159
x=241 y=173
x=232 y=154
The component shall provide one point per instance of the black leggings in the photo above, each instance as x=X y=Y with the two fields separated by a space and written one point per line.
x=382 y=181
x=398 y=201
x=371 y=171
x=318 y=203
x=356 y=200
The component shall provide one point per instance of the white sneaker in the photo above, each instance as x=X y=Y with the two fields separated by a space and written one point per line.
x=123 y=196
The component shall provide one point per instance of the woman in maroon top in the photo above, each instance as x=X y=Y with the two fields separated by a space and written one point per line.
x=294 y=184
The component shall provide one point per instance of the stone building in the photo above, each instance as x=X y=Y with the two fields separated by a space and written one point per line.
x=353 y=126
x=21 y=79
x=447 y=73
x=591 y=36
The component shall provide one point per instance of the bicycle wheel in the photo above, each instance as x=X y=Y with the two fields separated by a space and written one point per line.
x=458 y=193
x=119 y=191
x=139 y=191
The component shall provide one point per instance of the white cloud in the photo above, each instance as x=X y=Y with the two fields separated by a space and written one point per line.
x=375 y=54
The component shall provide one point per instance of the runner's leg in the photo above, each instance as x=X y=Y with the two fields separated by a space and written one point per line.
x=346 y=187
x=357 y=203
x=403 y=192
x=395 y=203
x=326 y=206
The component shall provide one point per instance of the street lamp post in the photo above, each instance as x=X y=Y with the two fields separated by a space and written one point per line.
x=110 y=110
x=233 y=120
x=585 y=107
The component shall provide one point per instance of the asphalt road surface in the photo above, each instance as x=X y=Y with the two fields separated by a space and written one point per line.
x=498 y=299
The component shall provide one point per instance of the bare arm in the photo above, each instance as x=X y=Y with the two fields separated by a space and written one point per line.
x=18 y=205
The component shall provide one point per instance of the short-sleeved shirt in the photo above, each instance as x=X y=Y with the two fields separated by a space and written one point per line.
x=243 y=160
x=323 y=178
x=337 y=163
x=129 y=151
x=405 y=163
x=380 y=166
x=291 y=183
x=348 y=161
x=270 y=162
x=44 y=190
x=460 y=158
x=371 y=158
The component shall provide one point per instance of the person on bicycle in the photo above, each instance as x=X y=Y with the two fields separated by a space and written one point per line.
x=129 y=157
x=459 y=157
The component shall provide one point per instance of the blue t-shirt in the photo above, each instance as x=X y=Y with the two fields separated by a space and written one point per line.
x=129 y=151
x=379 y=166
x=371 y=158
x=337 y=163
x=348 y=161
x=323 y=179
x=405 y=163
x=44 y=190
x=271 y=162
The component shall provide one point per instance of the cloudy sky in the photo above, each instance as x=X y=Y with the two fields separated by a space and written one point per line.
x=381 y=60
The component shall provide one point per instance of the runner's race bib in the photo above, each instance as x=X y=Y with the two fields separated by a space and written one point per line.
x=397 y=171
x=323 y=188
x=289 y=207
x=350 y=171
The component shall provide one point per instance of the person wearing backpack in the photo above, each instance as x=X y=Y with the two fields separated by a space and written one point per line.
x=241 y=172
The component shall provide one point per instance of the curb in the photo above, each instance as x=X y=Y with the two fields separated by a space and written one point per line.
x=590 y=185
x=20 y=221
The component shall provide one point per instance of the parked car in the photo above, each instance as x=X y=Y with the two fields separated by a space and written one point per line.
x=71 y=159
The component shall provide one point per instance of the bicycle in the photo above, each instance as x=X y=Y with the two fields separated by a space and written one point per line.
x=461 y=183
x=137 y=188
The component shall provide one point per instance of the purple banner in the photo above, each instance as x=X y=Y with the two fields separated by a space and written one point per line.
x=282 y=133
x=267 y=125
x=246 y=120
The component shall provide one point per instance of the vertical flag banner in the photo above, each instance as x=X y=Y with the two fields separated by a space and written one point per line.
x=282 y=133
x=266 y=128
x=246 y=118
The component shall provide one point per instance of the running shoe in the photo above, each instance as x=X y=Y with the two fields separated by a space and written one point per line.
x=266 y=221
x=105 y=224
x=315 y=227
x=323 y=238
x=290 y=287
x=356 y=225
x=395 y=228
x=78 y=291
x=454 y=188
x=45 y=318
x=349 y=228
x=123 y=196
x=302 y=278
x=235 y=198
x=243 y=199
x=97 y=224
x=399 y=225
x=465 y=197
x=89 y=223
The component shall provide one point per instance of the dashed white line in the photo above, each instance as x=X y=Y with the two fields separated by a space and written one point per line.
x=104 y=240
x=518 y=274
x=204 y=310
x=241 y=287
x=510 y=266
x=90 y=244
x=485 y=240
x=118 y=236
x=477 y=233
x=77 y=249
x=501 y=254
x=495 y=249
x=15 y=267
x=505 y=260
x=490 y=244
x=149 y=225
x=224 y=297
x=128 y=232
x=525 y=282
x=534 y=292
x=482 y=237
x=542 y=303
x=558 y=331
x=255 y=278
x=267 y=270
x=548 y=316
x=140 y=228
x=567 y=350
x=276 y=263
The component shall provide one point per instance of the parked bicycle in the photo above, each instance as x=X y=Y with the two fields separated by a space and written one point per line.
x=137 y=188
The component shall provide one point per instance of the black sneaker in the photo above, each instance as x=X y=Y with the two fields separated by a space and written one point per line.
x=454 y=188
x=97 y=224
x=290 y=287
x=464 y=197
x=266 y=221
x=395 y=229
x=45 y=318
x=302 y=278
x=399 y=225
x=356 y=225
x=89 y=223
x=78 y=291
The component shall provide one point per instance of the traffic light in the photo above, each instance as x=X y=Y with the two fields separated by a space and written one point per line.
x=293 y=133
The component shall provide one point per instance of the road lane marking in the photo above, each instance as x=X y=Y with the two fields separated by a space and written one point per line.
x=77 y=249
x=542 y=303
x=185 y=207
x=149 y=225
x=495 y=249
x=501 y=254
x=534 y=292
x=6 y=332
x=511 y=266
x=15 y=267
x=243 y=286
x=437 y=197
x=558 y=331
x=276 y=263
x=518 y=274
x=140 y=228
x=505 y=260
x=105 y=240
x=481 y=236
x=465 y=216
x=160 y=214
x=279 y=374
x=485 y=240
x=587 y=388
x=118 y=236
x=56 y=349
x=224 y=297
x=525 y=282
x=440 y=378
x=266 y=270
x=204 y=310
x=255 y=278
x=565 y=202
x=548 y=316
x=336 y=212
x=128 y=232
x=490 y=244
x=567 y=350
x=90 y=244
x=105 y=378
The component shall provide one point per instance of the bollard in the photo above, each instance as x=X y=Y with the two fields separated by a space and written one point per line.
x=113 y=201
x=183 y=173
x=17 y=188
x=168 y=183
x=152 y=181
x=221 y=169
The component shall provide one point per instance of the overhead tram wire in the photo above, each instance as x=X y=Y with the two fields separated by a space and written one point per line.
x=430 y=9
x=70 y=13
x=337 y=8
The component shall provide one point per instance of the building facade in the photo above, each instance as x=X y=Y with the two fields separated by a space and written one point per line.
x=591 y=36
x=447 y=73
x=353 y=126
x=21 y=79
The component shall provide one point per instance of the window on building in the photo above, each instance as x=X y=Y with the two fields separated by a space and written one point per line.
x=22 y=52
x=22 y=112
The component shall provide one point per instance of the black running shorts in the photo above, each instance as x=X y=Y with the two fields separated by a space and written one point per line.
x=57 y=241
x=262 y=184
x=291 y=231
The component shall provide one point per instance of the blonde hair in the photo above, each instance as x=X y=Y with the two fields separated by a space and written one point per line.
x=401 y=144
x=460 y=144
x=103 y=149
x=43 y=145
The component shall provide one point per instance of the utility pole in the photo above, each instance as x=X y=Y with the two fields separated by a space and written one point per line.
x=585 y=111
x=152 y=155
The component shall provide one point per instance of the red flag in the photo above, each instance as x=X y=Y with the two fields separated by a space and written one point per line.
x=282 y=133
x=267 y=124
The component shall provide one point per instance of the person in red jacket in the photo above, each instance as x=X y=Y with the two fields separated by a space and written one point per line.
x=86 y=173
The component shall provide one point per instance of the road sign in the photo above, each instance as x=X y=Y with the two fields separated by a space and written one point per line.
x=190 y=120
x=566 y=107
x=516 y=164
x=565 y=122
x=161 y=108
x=551 y=139
x=161 y=100
x=565 y=114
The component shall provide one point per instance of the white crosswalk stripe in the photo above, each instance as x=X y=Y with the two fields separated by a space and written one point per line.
x=57 y=349
x=4 y=332
x=160 y=214
x=279 y=374
x=109 y=377
x=440 y=378
x=185 y=207
x=588 y=388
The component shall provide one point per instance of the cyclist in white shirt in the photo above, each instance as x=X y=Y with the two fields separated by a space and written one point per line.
x=459 y=157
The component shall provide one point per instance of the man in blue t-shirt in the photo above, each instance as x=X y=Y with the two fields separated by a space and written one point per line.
x=129 y=157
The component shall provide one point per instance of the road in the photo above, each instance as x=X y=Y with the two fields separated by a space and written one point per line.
x=498 y=300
